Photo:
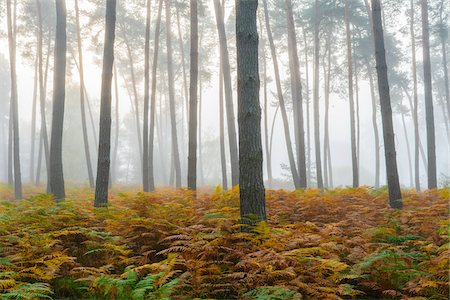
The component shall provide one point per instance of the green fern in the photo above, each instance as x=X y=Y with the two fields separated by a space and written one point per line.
x=272 y=293
x=30 y=291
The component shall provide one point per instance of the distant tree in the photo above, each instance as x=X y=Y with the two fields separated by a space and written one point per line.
x=395 y=195
x=431 y=143
x=251 y=183
x=14 y=102
x=192 y=156
x=145 y=170
x=101 y=188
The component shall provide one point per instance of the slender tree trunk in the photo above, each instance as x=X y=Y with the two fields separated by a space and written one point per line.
x=284 y=115
x=327 y=151
x=151 y=177
x=33 y=119
x=374 y=125
x=223 y=161
x=10 y=147
x=200 y=143
x=308 y=101
x=358 y=121
x=252 y=198
x=145 y=165
x=224 y=57
x=405 y=132
x=192 y=156
x=14 y=104
x=386 y=111
x=117 y=126
x=316 y=98
x=351 y=100
x=297 y=97
x=101 y=187
x=173 y=121
x=82 y=104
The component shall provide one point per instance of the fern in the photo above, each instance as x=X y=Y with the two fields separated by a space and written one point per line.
x=29 y=291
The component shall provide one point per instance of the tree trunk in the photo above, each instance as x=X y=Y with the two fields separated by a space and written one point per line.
x=101 y=188
x=14 y=105
x=192 y=156
x=297 y=97
x=308 y=101
x=327 y=151
x=82 y=104
x=200 y=143
x=224 y=57
x=151 y=177
x=116 y=134
x=374 y=125
x=350 y=94
x=284 y=115
x=431 y=143
x=33 y=119
x=386 y=111
x=145 y=171
x=183 y=60
x=173 y=121
x=252 y=198
x=316 y=98
x=405 y=132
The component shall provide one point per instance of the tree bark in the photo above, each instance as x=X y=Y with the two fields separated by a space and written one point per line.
x=117 y=126
x=297 y=97
x=82 y=104
x=224 y=57
x=328 y=171
x=101 y=188
x=351 y=100
x=284 y=115
x=223 y=161
x=252 y=194
x=405 y=132
x=308 y=102
x=173 y=121
x=151 y=177
x=33 y=119
x=145 y=170
x=386 y=111
x=14 y=104
x=192 y=156
x=316 y=98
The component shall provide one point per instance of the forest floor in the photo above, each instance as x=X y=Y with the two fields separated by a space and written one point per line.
x=336 y=244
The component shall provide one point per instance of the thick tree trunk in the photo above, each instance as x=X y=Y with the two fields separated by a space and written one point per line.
x=316 y=98
x=386 y=111
x=56 y=182
x=224 y=57
x=14 y=105
x=297 y=97
x=252 y=198
x=350 y=94
x=192 y=156
x=82 y=104
x=101 y=188
x=145 y=170
x=151 y=177
x=431 y=143
x=284 y=115
x=173 y=121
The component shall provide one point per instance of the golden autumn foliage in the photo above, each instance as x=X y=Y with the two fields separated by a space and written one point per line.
x=337 y=244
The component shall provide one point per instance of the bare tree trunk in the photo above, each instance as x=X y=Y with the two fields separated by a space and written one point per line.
x=33 y=119
x=405 y=132
x=173 y=121
x=14 y=105
x=223 y=161
x=374 y=125
x=151 y=167
x=200 y=143
x=316 y=98
x=351 y=100
x=395 y=195
x=308 y=101
x=252 y=193
x=101 y=187
x=192 y=156
x=82 y=105
x=145 y=162
x=10 y=147
x=224 y=57
x=287 y=134
x=297 y=97
x=328 y=171
x=117 y=126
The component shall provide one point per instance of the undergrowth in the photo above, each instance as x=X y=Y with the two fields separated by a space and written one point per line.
x=337 y=244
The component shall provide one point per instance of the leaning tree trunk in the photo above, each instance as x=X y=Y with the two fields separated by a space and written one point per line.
x=145 y=171
x=101 y=187
x=431 y=143
x=56 y=182
x=252 y=198
x=151 y=177
x=14 y=104
x=224 y=57
x=284 y=115
x=386 y=111
x=82 y=104
x=223 y=160
x=316 y=98
x=173 y=121
x=350 y=96
x=297 y=97
x=192 y=156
